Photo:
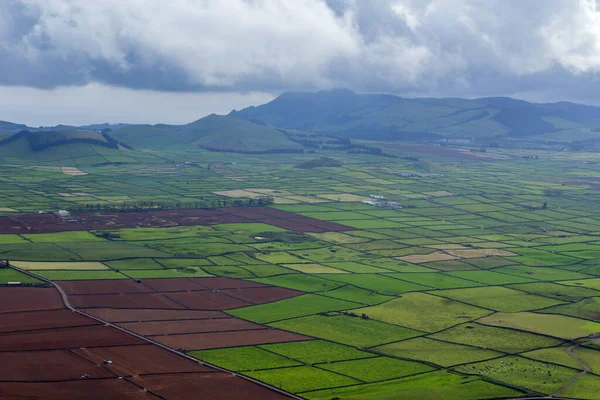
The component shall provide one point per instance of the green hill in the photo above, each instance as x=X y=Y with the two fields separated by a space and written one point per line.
x=371 y=116
x=63 y=148
x=214 y=132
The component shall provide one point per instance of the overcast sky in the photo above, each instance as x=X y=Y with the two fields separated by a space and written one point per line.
x=88 y=61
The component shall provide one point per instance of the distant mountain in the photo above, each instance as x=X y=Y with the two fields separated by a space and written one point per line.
x=344 y=113
x=10 y=127
x=214 y=132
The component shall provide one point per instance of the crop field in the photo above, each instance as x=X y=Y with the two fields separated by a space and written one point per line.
x=464 y=283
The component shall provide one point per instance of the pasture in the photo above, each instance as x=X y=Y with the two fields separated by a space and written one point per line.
x=322 y=294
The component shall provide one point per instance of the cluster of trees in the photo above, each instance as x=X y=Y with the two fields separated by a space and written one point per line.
x=353 y=314
x=165 y=205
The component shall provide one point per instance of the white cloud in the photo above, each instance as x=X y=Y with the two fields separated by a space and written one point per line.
x=442 y=47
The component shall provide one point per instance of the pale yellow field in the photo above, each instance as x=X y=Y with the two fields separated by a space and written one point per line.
x=314 y=269
x=305 y=199
x=423 y=258
x=72 y=171
x=39 y=265
x=270 y=192
x=477 y=253
x=344 y=197
x=238 y=193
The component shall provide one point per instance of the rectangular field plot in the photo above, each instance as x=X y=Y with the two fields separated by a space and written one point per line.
x=348 y=330
x=214 y=340
x=356 y=295
x=317 y=351
x=499 y=298
x=423 y=312
x=557 y=291
x=291 y=308
x=490 y=277
x=555 y=355
x=35 y=320
x=248 y=358
x=142 y=359
x=314 y=269
x=10 y=275
x=586 y=308
x=437 y=280
x=13 y=299
x=60 y=237
x=541 y=273
x=56 y=275
x=376 y=369
x=490 y=262
x=379 y=283
x=518 y=371
x=487 y=337
x=302 y=282
x=49 y=365
x=553 y=325
x=436 y=352
x=447 y=386
x=79 y=266
x=135 y=263
x=302 y=379
x=584 y=283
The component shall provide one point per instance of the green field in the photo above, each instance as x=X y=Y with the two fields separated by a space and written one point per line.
x=423 y=312
x=348 y=330
x=436 y=352
x=435 y=298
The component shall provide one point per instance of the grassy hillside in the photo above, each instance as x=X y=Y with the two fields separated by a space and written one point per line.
x=344 y=113
x=63 y=148
x=214 y=132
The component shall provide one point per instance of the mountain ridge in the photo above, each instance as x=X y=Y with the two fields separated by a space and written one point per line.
x=341 y=112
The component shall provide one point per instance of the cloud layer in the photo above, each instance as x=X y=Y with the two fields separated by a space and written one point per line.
x=546 y=49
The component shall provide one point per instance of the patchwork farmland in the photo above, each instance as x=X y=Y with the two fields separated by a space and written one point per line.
x=470 y=280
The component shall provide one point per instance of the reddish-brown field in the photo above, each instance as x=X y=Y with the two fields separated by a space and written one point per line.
x=140 y=300
x=214 y=386
x=34 y=320
x=139 y=360
x=140 y=315
x=104 y=286
x=34 y=223
x=226 y=283
x=189 y=326
x=93 y=389
x=60 y=354
x=51 y=365
x=172 y=285
x=66 y=338
x=199 y=341
x=28 y=299
x=206 y=300
x=261 y=295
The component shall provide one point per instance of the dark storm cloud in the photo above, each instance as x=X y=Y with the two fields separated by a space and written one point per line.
x=423 y=47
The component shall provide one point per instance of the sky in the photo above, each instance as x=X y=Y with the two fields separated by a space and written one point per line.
x=151 y=61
